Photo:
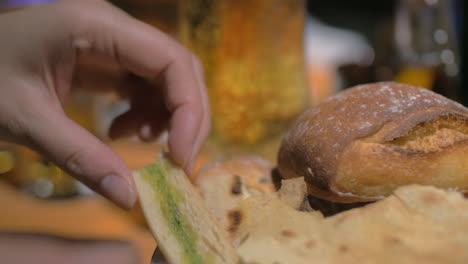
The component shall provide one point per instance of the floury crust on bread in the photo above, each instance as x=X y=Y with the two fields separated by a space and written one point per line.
x=363 y=143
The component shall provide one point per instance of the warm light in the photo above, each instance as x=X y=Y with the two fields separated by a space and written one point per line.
x=43 y=188
x=7 y=161
x=254 y=62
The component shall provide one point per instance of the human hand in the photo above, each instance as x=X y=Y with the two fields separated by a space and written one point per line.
x=41 y=58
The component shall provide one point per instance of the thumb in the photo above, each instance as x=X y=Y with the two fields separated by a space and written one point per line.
x=82 y=155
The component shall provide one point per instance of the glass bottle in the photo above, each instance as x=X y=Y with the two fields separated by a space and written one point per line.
x=426 y=48
x=252 y=51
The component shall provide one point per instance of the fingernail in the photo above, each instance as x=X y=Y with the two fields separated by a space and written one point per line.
x=119 y=191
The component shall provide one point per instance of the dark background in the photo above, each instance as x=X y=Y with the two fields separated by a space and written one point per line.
x=370 y=16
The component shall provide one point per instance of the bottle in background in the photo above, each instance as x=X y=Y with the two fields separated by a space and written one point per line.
x=425 y=47
x=418 y=46
x=252 y=51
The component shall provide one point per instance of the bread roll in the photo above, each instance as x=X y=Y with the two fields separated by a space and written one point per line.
x=363 y=143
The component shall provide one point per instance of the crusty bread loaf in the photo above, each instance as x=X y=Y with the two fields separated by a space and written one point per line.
x=364 y=142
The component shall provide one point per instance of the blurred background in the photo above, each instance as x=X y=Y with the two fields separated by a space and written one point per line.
x=266 y=61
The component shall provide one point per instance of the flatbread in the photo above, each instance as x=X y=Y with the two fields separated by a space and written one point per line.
x=186 y=231
x=225 y=184
x=416 y=224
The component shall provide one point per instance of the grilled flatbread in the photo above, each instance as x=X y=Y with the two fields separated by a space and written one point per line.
x=416 y=224
x=186 y=232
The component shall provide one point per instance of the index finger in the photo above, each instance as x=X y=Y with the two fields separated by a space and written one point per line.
x=153 y=55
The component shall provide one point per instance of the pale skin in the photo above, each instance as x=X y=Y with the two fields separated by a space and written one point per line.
x=48 y=50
